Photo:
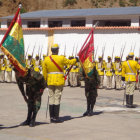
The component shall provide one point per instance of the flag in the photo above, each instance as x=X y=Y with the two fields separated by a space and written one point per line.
x=12 y=44
x=86 y=55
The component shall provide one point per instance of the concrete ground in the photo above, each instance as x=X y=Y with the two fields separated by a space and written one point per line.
x=111 y=121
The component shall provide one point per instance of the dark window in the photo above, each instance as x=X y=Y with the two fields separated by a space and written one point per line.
x=55 y=24
x=112 y=23
x=78 y=23
x=33 y=24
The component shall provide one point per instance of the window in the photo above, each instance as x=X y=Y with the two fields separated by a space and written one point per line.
x=77 y=23
x=55 y=24
x=33 y=24
x=112 y=23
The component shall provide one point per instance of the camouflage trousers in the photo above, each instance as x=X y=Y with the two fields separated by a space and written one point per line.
x=34 y=100
x=55 y=93
x=73 y=79
x=109 y=82
x=118 y=81
x=130 y=87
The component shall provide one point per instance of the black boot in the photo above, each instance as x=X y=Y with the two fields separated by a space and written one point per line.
x=88 y=108
x=32 y=122
x=51 y=110
x=27 y=121
x=91 y=107
x=131 y=101
x=127 y=101
x=56 y=114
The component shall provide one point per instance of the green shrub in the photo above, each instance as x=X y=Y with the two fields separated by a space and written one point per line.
x=121 y=3
x=70 y=2
x=22 y=10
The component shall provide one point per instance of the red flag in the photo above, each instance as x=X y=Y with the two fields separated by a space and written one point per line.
x=86 y=54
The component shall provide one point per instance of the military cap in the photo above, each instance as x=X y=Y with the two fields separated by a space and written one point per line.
x=108 y=57
x=131 y=54
x=55 y=46
x=44 y=55
x=37 y=55
x=29 y=55
x=100 y=57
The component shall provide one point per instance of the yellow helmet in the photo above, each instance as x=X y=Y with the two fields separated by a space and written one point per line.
x=131 y=54
x=108 y=57
x=29 y=55
x=37 y=55
x=100 y=57
x=44 y=55
x=55 y=46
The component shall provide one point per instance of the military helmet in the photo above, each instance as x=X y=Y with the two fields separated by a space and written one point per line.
x=131 y=54
x=55 y=46
x=100 y=57
x=109 y=57
x=37 y=55
x=29 y=55
x=44 y=55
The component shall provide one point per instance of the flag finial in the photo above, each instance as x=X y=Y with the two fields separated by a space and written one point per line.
x=20 y=5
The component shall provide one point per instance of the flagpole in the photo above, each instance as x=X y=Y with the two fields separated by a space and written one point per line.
x=11 y=25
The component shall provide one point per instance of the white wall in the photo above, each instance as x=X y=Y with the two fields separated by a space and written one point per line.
x=71 y=38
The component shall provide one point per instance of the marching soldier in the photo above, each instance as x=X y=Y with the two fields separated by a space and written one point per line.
x=53 y=71
x=35 y=85
x=109 y=73
x=129 y=70
x=2 y=68
x=100 y=66
x=137 y=75
x=8 y=72
x=118 y=72
x=37 y=66
x=91 y=85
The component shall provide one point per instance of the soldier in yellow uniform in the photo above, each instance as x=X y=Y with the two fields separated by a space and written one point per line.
x=2 y=68
x=109 y=73
x=137 y=75
x=8 y=72
x=74 y=75
x=118 y=72
x=100 y=66
x=37 y=66
x=29 y=61
x=129 y=70
x=53 y=71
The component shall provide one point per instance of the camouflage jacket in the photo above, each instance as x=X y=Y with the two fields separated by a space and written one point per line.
x=35 y=81
x=92 y=82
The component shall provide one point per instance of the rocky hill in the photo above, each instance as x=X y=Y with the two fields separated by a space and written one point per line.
x=8 y=7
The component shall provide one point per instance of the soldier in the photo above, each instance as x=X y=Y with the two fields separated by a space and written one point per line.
x=118 y=68
x=109 y=73
x=129 y=70
x=8 y=71
x=100 y=66
x=35 y=85
x=137 y=75
x=91 y=85
x=29 y=61
x=74 y=75
x=2 y=68
x=53 y=71
x=37 y=66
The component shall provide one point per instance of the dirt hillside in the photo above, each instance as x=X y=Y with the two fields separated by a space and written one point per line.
x=8 y=7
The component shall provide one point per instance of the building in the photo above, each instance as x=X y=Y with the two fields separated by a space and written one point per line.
x=114 y=27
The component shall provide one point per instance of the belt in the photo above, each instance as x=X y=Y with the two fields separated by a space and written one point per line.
x=130 y=73
x=56 y=73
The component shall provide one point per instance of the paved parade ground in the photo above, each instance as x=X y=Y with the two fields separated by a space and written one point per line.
x=111 y=120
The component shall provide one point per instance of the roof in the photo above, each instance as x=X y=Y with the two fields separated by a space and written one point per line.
x=79 y=13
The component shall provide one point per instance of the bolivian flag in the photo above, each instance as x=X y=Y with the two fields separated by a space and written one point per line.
x=86 y=55
x=13 y=45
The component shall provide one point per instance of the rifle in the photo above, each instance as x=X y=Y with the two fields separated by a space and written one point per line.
x=73 y=50
x=122 y=52
x=40 y=53
x=96 y=53
x=76 y=51
x=113 y=51
x=38 y=50
x=134 y=47
x=103 y=50
x=32 y=54
x=26 y=52
x=65 y=50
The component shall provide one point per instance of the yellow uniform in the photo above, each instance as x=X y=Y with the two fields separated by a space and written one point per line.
x=109 y=74
x=8 y=71
x=100 y=66
x=37 y=65
x=51 y=73
x=118 y=72
x=2 y=69
x=29 y=63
